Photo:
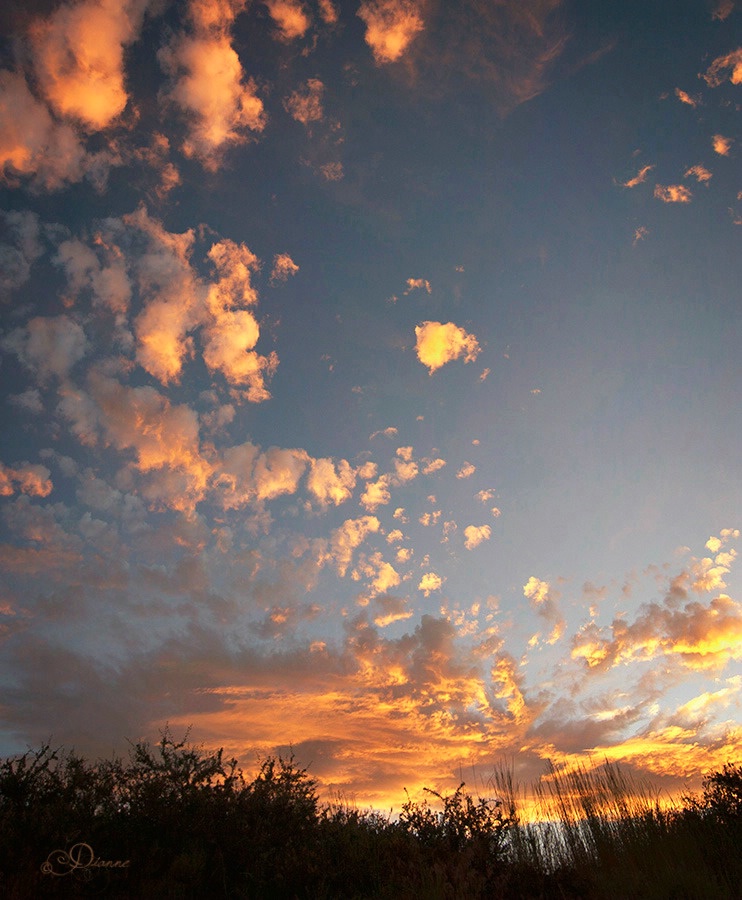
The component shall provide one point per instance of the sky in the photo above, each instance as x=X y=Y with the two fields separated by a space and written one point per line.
x=368 y=384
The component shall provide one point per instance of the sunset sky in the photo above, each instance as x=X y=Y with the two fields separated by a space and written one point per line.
x=370 y=384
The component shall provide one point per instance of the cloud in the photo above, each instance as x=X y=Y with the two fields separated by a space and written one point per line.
x=331 y=483
x=33 y=145
x=348 y=537
x=672 y=193
x=283 y=268
x=208 y=84
x=723 y=67
x=722 y=145
x=544 y=601
x=78 y=57
x=700 y=173
x=476 y=535
x=290 y=17
x=305 y=105
x=639 y=178
x=390 y=609
x=391 y=26
x=722 y=10
x=698 y=636
x=418 y=284
x=28 y=478
x=686 y=98
x=639 y=234
x=438 y=344
x=17 y=257
x=466 y=471
x=430 y=582
x=49 y=346
x=328 y=11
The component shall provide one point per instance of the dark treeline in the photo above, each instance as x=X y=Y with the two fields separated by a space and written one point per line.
x=175 y=821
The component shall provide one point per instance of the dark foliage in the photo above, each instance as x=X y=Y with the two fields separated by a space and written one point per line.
x=174 y=821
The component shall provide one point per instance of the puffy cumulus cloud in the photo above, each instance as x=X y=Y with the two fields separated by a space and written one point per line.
x=209 y=86
x=172 y=297
x=48 y=346
x=78 y=57
x=382 y=576
x=714 y=544
x=639 y=178
x=332 y=171
x=101 y=270
x=466 y=470
x=672 y=193
x=700 y=173
x=723 y=67
x=377 y=493
x=33 y=145
x=331 y=483
x=28 y=478
x=474 y=535
x=722 y=145
x=708 y=574
x=163 y=436
x=438 y=343
x=283 y=268
x=544 y=601
x=244 y=474
x=305 y=104
x=405 y=467
x=20 y=249
x=347 y=538
x=391 y=26
x=229 y=335
x=430 y=582
x=433 y=465
x=290 y=17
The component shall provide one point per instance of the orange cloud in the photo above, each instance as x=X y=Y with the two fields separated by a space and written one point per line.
x=418 y=284
x=290 y=17
x=544 y=601
x=391 y=26
x=208 y=84
x=283 y=268
x=328 y=11
x=722 y=145
x=475 y=535
x=78 y=56
x=672 y=193
x=306 y=105
x=350 y=535
x=639 y=178
x=723 y=67
x=438 y=344
x=34 y=145
x=466 y=471
x=700 y=173
x=28 y=478
x=430 y=582
x=686 y=98
x=329 y=483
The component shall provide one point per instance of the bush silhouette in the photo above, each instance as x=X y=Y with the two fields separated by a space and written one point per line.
x=188 y=824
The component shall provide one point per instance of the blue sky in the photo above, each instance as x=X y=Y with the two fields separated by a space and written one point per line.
x=369 y=383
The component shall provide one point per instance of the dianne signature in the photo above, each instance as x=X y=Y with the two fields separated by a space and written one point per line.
x=80 y=859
